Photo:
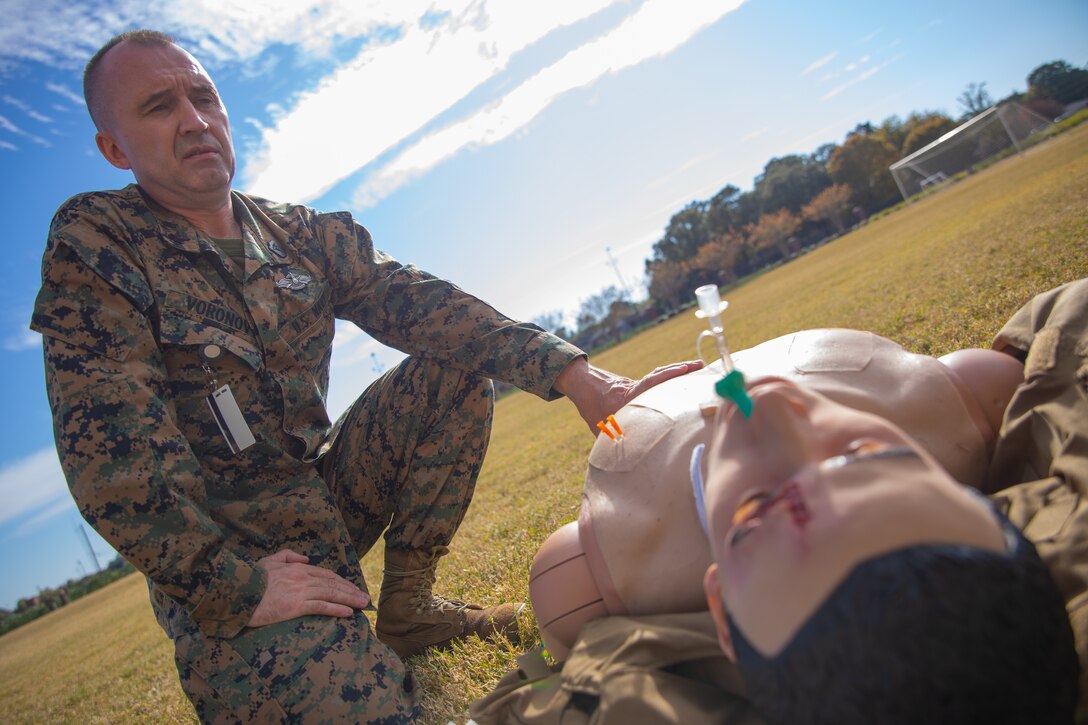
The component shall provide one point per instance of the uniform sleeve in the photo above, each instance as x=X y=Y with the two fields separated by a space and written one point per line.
x=126 y=463
x=422 y=315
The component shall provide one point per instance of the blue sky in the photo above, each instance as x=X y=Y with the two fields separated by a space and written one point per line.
x=509 y=146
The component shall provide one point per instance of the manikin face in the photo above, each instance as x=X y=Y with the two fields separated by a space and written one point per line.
x=163 y=119
x=804 y=490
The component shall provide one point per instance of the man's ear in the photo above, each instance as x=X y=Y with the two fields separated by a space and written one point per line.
x=111 y=150
x=717 y=611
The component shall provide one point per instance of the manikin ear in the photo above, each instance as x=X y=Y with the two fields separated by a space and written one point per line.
x=111 y=150
x=717 y=611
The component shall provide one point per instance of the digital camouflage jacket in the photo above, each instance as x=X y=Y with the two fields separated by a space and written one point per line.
x=131 y=297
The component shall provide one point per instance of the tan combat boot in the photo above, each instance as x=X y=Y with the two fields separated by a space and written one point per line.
x=411 y=618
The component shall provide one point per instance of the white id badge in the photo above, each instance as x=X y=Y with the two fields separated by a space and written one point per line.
x=229 y=418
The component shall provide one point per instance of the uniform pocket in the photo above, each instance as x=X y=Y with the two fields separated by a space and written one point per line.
x=236 y=360
x=179 y=330
x=310 y=332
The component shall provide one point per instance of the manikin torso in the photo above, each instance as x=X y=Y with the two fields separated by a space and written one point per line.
x=638 y=548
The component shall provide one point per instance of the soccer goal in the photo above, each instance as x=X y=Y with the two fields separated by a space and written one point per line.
x=996 y=130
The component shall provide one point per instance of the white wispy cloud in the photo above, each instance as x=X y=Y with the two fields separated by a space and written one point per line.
x=868 y=72
x=870 y=36
x=65 y=92
x=27 y=109
x=352 y=346
x=390 y=91
x=64 y=34
x=357 y=360
x=33 y=485
x=23 y=339
x=8 y=146
x=228 y=30
x=7 y=125
x=680 y=170
x=858 y=77
x=656 y=28
x=837 y=90
x=418 y=59
x=753 y=135
x=63 y=505
x=345 y=333
x=819 y=63
x=51 y=32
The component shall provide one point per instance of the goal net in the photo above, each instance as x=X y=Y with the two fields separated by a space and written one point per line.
x=997 y=130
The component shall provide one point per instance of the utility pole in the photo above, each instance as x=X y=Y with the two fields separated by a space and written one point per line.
x=87 y=541
x=616 y=268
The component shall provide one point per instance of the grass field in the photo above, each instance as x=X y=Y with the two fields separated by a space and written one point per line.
x=941 y=274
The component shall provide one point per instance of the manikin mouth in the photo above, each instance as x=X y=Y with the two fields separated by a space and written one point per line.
x=789 y=494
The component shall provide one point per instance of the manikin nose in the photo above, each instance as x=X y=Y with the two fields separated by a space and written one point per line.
x=783 y=429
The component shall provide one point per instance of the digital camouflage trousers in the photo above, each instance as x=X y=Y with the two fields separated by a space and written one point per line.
x=405 y=459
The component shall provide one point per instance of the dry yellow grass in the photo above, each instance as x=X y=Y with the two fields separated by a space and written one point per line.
x=942 y=274
x=101 y=659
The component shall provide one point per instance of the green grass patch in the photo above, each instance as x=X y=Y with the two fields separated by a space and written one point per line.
x=938 y=275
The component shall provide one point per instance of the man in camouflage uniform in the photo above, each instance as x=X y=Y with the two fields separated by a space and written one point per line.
x=188 y=331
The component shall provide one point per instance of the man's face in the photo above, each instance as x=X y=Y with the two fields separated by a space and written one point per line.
x=806 y=489
x=163 y=119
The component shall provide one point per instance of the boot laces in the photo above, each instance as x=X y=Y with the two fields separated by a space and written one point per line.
x=423 y=598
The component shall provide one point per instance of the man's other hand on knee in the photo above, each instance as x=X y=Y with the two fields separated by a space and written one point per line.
x=296 y=588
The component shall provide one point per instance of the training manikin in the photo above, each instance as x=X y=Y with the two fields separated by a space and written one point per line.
x=637 y=547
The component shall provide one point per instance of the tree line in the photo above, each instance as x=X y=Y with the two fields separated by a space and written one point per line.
x=798 y=201
x=45 y=601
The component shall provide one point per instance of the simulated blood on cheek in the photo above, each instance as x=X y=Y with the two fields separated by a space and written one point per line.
x=796 y=503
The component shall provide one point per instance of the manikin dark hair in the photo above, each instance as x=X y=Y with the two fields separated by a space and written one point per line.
x=926 y=634
x=91 y=71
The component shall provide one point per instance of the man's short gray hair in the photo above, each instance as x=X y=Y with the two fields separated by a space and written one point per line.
x=92 y=72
